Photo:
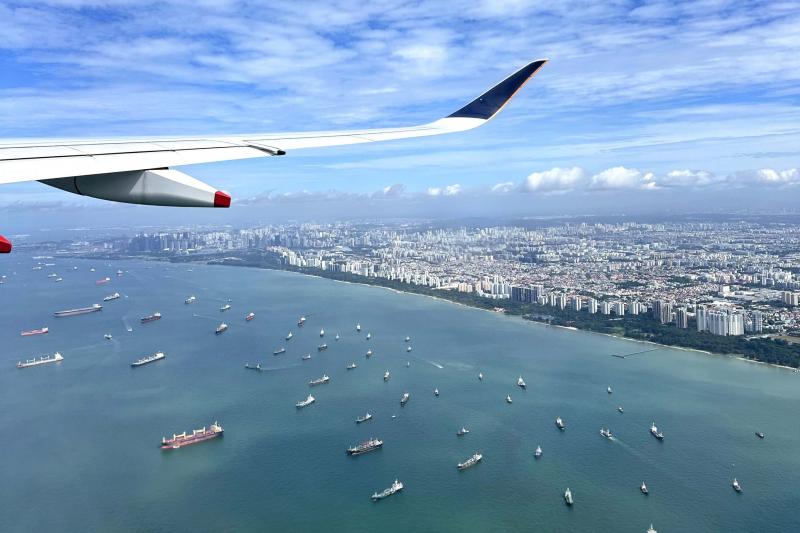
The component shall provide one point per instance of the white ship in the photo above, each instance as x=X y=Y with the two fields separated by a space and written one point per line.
x=651 y=529
x=364 y=418
x=736 y=486
x=190 y=300
x=306 y=357
x=461 y=432
x=436 y=392
x=408 y=348
x=111 y=297
x=568 y=496
x=289 y=336
x=608 y=390
x=337 y=337
x=369 y=353
x=369 y=336
x=303 y=403
x=55 y=358
x=405 y=398
x=655 y=432
x=351 y=366
x=480 y=376
x=225 y=307
x=538 y=452
x=322 y=333
x=408 y=339
x=605 y=433
x=107 y=336
x=396 y=486
x=521 y=383
x=508 y=398
x=472 y=461
x=319 y=381
x=358 y=327
x=643 y=488
x=560 y=424
x=386 y=376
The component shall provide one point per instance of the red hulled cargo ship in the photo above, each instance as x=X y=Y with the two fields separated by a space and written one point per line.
x=34 y=332
x=198 y=435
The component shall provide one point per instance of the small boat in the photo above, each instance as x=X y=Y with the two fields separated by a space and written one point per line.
x=59 y=279
x=289 y=336
x=408 y=364
x=369 y=353
x=90 y=270
x=538 y=452
x=643 y=488
x=306 y=357
x=396 y=487
x=351 y=366
x=560 y=424
x=53 y=275
x=336 y=338
x=436 y=392
x=521 y=383
x=119 y=272
x=620 y=409
x=358 y=327
x=301 y=321
x=322 y=347
x=369 y=336
x=655 y=432
x=472 y=461
x=364 y=418
x=190 y=300
x=111 y=297
x=319 y=381
x=386 y=376
x=608 y=390
x=250 y=316
x=256 y=366
x=279 y=351
x=480 y=376
x=759 y=434
x=405 y=398
x=322 y=333
x=408 y=348
x=651 y=529
x=408 y=339
x=462 y=431
x=222 y=328
x=107 y=336
x=225 y=307
x=605 y=433
x=736 y=486
x=508 y=398
x=303 y=403
x=568 y=496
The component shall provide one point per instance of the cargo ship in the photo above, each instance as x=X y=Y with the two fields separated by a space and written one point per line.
x=149 y=359
x=79 y=311
x=319 y=381
x=396 y=487
x=250 y=316
x=404 y=399
x=190 y=300
x=111 y=297
x=472 y=461
x=102 y=281
x=55 y=358
x=198 y=435
x=225 y=307
x=222 y=328
x=304 y=403
x=279 y=351
x=365 y=447
x=150 y=318
x=28 y=333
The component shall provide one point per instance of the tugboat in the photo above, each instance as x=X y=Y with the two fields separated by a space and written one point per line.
x=250 y=316
x=222 y=328
x=322 y=333
x=568 y=496
x=306 y=357
x=365 y=447
x=655 y=432
x=351 y=366
x=643 y=488
x=560 y=424
x=521 y=383
x=256 y=366
x=396 y=486
x=304 y=403
x=322 y=347
x=472 y=461
x=369 y=354
x=508 y=398
x=364 y=418
x=301 y=322
x=759 y=434
x=620 y=409
x=404 y=399
x=279 y=351
x=480 y=376
x=461 y=432
x=436 y=392
x=289 y=336
x=225 y=307
x=538 y=453
x=736 y=486
x=319 y=381
x=606 y=433
x=386 y=376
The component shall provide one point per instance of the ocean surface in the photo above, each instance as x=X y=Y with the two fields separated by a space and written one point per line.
x=81 y=453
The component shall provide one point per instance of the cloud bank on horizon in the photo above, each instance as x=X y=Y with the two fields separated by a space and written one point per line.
x=640 y=99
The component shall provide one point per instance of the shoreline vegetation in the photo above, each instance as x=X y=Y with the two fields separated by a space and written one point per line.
x=643 y=328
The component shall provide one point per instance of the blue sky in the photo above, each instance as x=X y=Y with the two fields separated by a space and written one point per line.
x=648 y=106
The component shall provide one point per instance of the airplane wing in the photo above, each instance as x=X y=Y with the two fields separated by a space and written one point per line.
x=139 y=170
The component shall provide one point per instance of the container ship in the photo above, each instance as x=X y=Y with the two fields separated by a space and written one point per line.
x=149 y=359
x=34 y=332
x=111 y=297
x=55 y=358
x=150 y=318
x=365 y=447
x=79 y=311
x=102 y=281
x=198 y=435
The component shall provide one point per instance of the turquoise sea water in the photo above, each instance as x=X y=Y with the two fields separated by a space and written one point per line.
x=81 y=448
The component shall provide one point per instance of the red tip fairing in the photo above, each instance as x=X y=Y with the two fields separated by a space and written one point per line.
x=5 y=245
x=222 y=199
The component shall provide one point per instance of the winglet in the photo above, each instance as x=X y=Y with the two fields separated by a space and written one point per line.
x=5 y=245
x=492 y=101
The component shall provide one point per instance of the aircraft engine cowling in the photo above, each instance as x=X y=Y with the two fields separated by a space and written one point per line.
x=149 y=187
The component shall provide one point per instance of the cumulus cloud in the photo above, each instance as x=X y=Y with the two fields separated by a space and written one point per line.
x=767 y=177
x=449 y=190
x=623 y=178
x=504 y=187
x=555 y=179
x=687 y=178
x=393 y=191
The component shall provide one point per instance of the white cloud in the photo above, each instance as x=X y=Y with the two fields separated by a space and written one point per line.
x=767 y=177
x=687 y=178
x=504 y=187
x=449 y=190
x=393 y=191
x=622 y=178
x=555 y=179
